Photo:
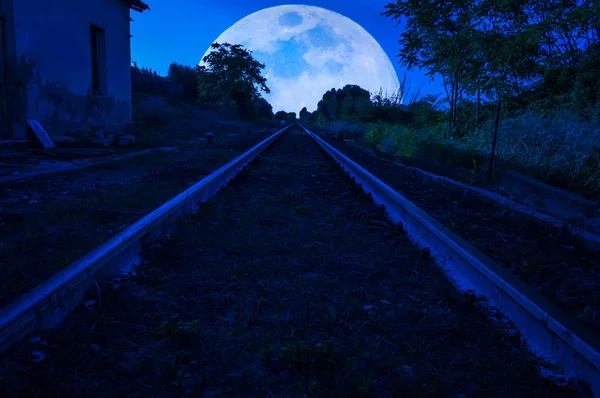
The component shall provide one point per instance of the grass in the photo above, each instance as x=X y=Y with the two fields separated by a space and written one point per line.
x=162 y=122
x=560 y=148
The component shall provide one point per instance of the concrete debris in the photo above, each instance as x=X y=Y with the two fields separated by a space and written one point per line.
x=96 y=138
x=560 y=379
x=103 y=143
x=125 y=140
x=37 y=356
x=63 y=139
x=99 y=134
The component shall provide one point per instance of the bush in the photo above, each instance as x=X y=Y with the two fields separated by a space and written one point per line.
x=152 y=111
x=562 y=148
x=394 y=139
x=351 y=130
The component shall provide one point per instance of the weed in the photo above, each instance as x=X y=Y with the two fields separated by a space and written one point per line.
x=180 y=331
x=531 y=267
x=559 y=148
x=289 y=195
x=302 y=210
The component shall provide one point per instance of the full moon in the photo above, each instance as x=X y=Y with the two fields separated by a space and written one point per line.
x=309 y=50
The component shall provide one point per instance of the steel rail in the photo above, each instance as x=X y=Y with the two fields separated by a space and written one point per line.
x=46 y=305
x=548 y=330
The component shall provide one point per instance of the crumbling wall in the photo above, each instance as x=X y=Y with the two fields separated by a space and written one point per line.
x=53 y=45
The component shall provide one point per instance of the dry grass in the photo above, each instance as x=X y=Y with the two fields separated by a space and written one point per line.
x=561 y=148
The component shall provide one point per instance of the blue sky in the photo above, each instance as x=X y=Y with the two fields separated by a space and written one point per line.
x=182 y=31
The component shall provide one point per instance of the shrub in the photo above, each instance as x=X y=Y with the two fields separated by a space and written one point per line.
x=561 y=148
x=394 y=139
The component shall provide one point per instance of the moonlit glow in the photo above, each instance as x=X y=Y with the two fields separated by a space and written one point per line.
x=309 y=50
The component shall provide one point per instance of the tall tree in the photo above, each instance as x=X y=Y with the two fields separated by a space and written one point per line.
x=304 y=115
x=281 y=116
x=231 y=76
x=486 y=45
x=263 y=110
x=351 y=103
x=437 y=38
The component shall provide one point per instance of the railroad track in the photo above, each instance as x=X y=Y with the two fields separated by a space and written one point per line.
x=264 y=287
x=69 y=214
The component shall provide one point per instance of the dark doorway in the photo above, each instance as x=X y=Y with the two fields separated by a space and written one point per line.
x=98 y=45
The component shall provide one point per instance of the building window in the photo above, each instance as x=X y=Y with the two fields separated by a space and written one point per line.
x=98 y=45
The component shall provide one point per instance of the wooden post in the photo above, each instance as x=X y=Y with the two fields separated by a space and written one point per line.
x=477 y=111
x=494 y=140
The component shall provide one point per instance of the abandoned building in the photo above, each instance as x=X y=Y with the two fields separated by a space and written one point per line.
x=66 y=64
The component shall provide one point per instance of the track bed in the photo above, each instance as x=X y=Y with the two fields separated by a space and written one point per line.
x=549 y=259
x=289 y=282
x=47 y=223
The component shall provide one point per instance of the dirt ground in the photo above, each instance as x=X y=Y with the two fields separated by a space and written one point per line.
x=549 y=259
x=48 y=222
x=287 y=283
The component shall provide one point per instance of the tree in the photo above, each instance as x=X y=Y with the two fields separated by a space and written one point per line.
x=351 y=103
x=263 y=110
x=328 y=106
x=485 y=45
x=389 y=109
x=436 y=38
x=231 y=77
x=281 y=115
x=304 y=115
x=186 y=76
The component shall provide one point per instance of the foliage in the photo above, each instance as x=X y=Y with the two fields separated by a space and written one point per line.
x=541 y=58
x=562 y=149
x=287 y=117
x=355 y=105
x=426 y=111
x=263 y=110
x=186 y=76
x=304 y=115
x=388 y=109
x=232 y=77
x=143 y=70
x=505 y=49
x=351 y=103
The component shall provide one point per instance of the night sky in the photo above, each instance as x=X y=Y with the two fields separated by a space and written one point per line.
x=183 y=31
